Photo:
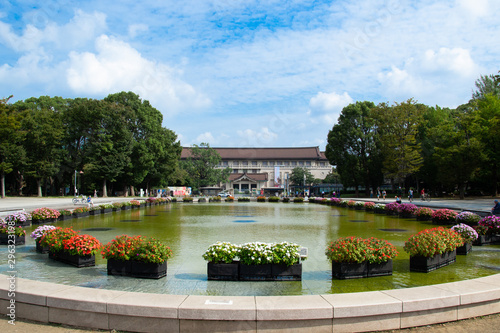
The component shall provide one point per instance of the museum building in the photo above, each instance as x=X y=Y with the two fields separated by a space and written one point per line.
x=265 y=170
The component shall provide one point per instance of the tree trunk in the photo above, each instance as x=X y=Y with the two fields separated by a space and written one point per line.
x=132 y=191
x=39 y=186
x=3 y=184
x=125 y=191
x=104 y=189
x=462 y=191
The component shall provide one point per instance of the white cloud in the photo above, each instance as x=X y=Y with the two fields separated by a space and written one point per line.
x=116 y=66
x=253 y=138
x=136 y=29
x=330 y=102
x=206 y=137
x=456 y=60
x=475 y=7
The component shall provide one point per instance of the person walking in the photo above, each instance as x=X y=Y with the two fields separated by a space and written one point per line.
x=378 y=193
x=384 y=193
x=410 y=195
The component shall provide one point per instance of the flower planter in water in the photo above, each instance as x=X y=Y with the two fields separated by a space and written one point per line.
x=95 y=212
x=346 y=270
x=26 y=223
x=428 y=264
x=464 y=249
x=106 y=210
x=43 y=221
x=256 y=272
x=486 y=240
x=65 y=217
x=382 y=269
x=74 y=260
x=223 y=271
x=137 y=269
x=282 y=272
x=17 y=240
x=41 y=249
x=78 y=215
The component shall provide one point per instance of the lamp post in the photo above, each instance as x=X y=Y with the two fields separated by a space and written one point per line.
x=304 y=184
x=75 y=183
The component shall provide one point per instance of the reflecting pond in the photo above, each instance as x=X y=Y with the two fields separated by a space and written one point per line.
x=189 y=228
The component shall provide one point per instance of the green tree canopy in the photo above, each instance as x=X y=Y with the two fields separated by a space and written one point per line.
x=298 y=174
x=201 y=166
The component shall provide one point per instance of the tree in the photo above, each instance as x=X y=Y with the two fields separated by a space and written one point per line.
x=11 y=137
x=458 y=153
x=297 y=176
x=397 y=129
x=353 y=149
x=488 y=120
x=487 y=85
x=43 y=139
x=201 y=166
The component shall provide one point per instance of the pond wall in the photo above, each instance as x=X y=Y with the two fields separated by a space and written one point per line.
x=351 y=312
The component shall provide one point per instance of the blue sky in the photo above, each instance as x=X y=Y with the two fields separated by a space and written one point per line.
x=247 y=73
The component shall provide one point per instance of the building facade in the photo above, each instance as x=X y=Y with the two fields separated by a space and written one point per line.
x=266 y=170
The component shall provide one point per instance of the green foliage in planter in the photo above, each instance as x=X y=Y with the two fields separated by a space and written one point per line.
x=135 y=203
x=467 y=232
x=286 y=253
x=358 y=250
x=65 y=212
x=424 y=213
x=429 y=242
x=221 y=252
x=10 y=229
x=286 y=199
x=106 y=206
x=187 y=199
x=469 y=218
x=215 y=199
x=351 y=203
x=359 y=205
x=261 y=198
x=369 y=206
x=80 y=210
x=117 y=204
x=298 y=199
x=273 y=199
x=18 y=217
x=54 y=238
x=444 y=216
x=136 y=248
x=173 y=200
x=45 y=213
x=243 y=199
x=343 y=203
x=229 y=199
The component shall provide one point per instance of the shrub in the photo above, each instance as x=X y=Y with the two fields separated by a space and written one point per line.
x=392 y=207
x=17 y=218
x=286 y=199
x=274 y=199
x=298 y=200
x=81 y=245
x=424 y=213
x=429 y=242
x=261 y=198
x=106 y=206
x=45 y=213
x=79 y=210
x=187 y=199
x=243 y=199
x=215 y=199
x=136 y=248
x=468 y=218
x=221 y=252
x=41 y=230
x=407 y=209
x=492 y=223
x=369 y=206
x=444 y=216
x=468 y=233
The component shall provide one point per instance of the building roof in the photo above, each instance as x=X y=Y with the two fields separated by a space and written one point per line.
x=258 y=177
x=291 y=153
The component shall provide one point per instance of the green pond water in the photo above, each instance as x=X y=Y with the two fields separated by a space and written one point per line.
x=189 y=228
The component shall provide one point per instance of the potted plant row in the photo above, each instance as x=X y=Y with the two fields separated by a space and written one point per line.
x=355 y=257
x=431 y=249
x=65 y=214
x=137 y=256
x=11 y=235
x=68 y=246
x=257 y=261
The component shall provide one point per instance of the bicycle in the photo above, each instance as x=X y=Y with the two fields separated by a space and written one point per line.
x=426 y=197
x=78 y=200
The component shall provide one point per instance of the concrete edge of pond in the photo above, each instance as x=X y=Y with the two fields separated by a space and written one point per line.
x=353 y=312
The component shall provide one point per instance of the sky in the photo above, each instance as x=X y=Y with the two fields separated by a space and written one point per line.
x=247 y=73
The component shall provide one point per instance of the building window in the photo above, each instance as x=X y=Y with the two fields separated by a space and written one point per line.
x=264 y=163
x=286 y=163
x=236 y=163
x=224 y=163
x=253 y=186
x=254 y=163
x=308 y=163
x=271 y=163
x=301 y=163
x=245 y=170
x=244 y=163
x=236 y=187
x=294 y=163
x=255 y=170
x=244 y=187
x=322 y=164
x=235 y=170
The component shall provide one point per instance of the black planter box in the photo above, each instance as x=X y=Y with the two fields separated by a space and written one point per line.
x=486 y=240
x=41 y=249
x=26 y=223
x=65 y=217
x=43 y=221
x=256 y=272
x=346 y=270
x=137 y=269
x=282 y=272
x=78 y=215
x=223 y=271
x=74 y=260
x=382 y=269
x=426 y=265
x=464 y=249
x=423 y=218
x=125 y=207
x=95 y=212
x=17 y=240
x=106 y=210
